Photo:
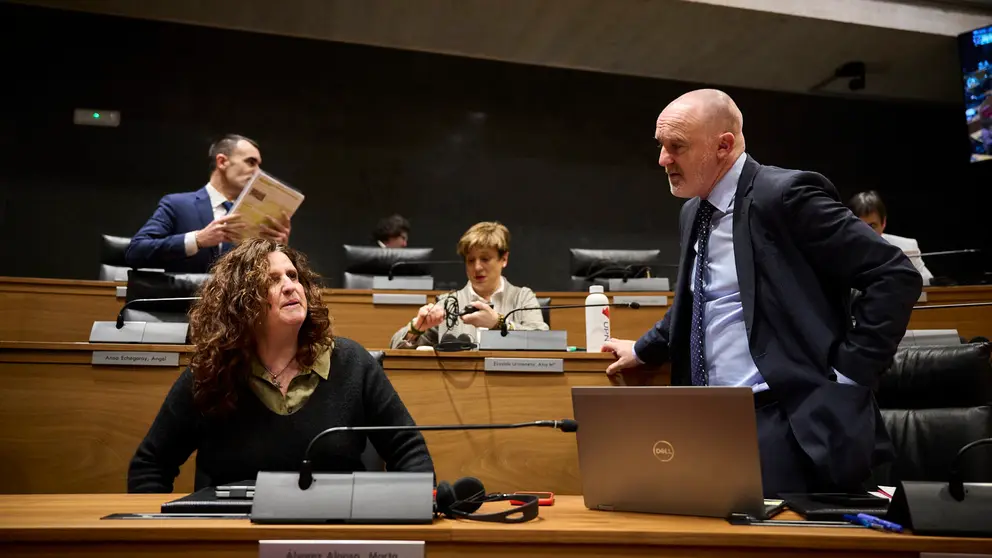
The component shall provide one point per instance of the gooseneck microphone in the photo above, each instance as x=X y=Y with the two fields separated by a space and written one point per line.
x=401 y=263
x=950 y=252
x=128 y=304
x=306 y=468
x=955 y=484
x=504 y=331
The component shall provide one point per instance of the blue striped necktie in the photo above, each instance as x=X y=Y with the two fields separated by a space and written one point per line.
x=225 y=246
x=697 y=336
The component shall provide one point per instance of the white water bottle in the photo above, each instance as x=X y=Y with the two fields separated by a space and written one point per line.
x=597 y=320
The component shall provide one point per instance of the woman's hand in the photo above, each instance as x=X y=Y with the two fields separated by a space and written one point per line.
x=485 y=316
x=428 y=316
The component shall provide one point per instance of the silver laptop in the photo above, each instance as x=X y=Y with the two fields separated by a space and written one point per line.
x=671 y=450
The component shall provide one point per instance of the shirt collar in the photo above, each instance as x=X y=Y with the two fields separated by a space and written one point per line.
x=321 y=366
x=216 y=198
x=475 y=296
x=722 y=196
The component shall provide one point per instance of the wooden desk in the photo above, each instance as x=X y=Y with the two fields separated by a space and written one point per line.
x=54 y=309
x=70 y=525
x=68 y=426
x=64 y=310
x=373 y=325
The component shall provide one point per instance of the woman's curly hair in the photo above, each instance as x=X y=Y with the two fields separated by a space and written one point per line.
x=232 y=304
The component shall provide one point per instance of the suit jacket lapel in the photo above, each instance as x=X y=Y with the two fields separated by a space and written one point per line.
x=743 y=250
x=205 y=211
x=682 y=293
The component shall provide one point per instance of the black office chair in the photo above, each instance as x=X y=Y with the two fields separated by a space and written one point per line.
x=545 y=313
x=934 y=400
x=151 y=285
x=113 y=267
x=362 y=263
x=596 y=267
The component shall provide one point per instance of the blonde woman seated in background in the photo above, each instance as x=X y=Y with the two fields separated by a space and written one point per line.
x=485 y=247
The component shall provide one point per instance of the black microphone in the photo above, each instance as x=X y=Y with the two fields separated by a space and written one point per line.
x=504 y=331
x=950 y=252
x=402 y=263
x=471 y=310
x=955 y=305
x=120 y=315
x=955 y=484
x=306 y=468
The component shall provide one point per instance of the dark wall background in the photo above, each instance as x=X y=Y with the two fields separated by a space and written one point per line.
x=563 y=158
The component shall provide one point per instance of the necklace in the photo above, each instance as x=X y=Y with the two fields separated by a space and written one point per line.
x=275 y=377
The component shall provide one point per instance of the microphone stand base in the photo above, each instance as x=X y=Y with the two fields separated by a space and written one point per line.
x=361 y=498
x=929 y=509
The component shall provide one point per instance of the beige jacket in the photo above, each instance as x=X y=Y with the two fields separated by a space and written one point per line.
x=506 y=298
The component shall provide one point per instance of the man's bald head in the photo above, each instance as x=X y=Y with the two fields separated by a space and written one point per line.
x=701 y=137
x=714 y=109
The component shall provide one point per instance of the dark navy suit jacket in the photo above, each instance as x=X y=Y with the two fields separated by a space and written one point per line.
x=160 y=242
x=799 y=252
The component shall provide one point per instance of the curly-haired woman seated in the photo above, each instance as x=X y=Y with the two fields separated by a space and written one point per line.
x=266 y=377
x=485 y=247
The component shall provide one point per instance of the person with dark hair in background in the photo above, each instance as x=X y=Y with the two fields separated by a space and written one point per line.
x=188 y=231
x=392 y=232
x=266 y=377
x=768 y=259
x=868 y=206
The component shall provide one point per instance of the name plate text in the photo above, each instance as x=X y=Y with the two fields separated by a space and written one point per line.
x=500 y=364
x=340 y=549
x=135 y=358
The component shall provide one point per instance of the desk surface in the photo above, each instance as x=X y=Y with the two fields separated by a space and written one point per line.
x=57 y=518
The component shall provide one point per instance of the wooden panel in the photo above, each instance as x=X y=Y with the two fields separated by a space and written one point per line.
x=970 y=321
x=67 y=426
x=73 y=427
x=54 y=309
x=63 y=310
x=50 y=525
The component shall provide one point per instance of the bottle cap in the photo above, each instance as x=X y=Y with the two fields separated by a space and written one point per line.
x=596 y=288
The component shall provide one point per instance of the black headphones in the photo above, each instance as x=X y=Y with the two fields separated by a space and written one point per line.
x=450 y=343
x=461 y=499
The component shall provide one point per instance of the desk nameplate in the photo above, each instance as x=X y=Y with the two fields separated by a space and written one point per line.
x=643 y=300
x=502 y=364
x=340 y=549
x=135 y=358
x=399 y=298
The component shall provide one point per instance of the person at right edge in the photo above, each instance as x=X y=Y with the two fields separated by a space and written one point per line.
x=768 y=260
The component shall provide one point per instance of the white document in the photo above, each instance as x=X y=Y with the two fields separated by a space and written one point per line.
x=265 y=197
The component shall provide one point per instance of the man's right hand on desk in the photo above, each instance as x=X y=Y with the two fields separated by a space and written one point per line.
x=623 y=349
x=228 y=228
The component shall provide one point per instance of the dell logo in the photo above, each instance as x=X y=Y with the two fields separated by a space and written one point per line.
x=663 y=451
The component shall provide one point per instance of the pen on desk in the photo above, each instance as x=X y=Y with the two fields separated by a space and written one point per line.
x=873 y=522
x=887 y=525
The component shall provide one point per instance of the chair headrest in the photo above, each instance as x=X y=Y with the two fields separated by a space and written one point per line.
x=112 y=249
x=378 y=356
x=373 y=260
x=585 y=262
x=159 y=284
x=937 y=377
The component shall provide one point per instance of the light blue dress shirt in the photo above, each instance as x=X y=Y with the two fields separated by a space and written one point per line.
x=728 y=355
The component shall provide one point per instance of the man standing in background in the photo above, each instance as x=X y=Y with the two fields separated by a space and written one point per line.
x=188 y=231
